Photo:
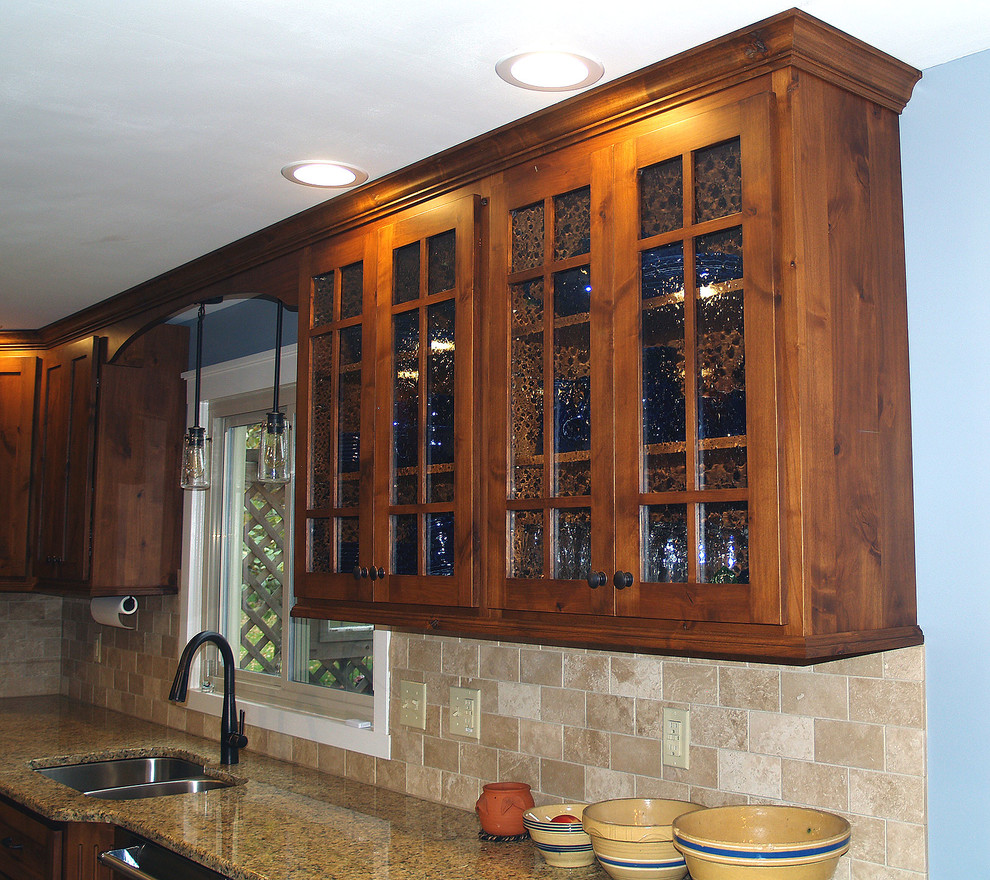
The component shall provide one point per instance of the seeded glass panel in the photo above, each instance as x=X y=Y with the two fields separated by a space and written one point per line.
x=348 y=543
x=322 y=299
x=661 y=198
x=349 y=417
x=526 y=544
x=665 y=551
x=405 y=408
x=572 y=382
x=440 y=544
x=351 y=290
x=572 y=543
x=721 y=360
x=723 y=553
x=717 y=181
x=321 y=421
x=526 y=391
x=662 y=284
x=405 y=273
x=320 y=544
x=527 y=237
x=405 y=543
x=572 y=224
x=441 y=252
x=440 y=402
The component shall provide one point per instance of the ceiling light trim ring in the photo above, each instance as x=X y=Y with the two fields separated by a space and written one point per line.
x=509 y=69
x=295 y=172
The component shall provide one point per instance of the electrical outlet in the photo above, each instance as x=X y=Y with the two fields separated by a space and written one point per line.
x=675 y=740
x=465 y=712
x=98 y=648
x=412 y=704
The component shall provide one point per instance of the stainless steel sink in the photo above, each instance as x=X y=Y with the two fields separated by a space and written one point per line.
x=130 y=778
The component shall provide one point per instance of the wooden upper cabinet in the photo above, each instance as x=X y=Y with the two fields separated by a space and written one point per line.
x=19 y=378
x=385 y=511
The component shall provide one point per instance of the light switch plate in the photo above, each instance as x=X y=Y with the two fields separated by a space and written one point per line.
x=465 y=712
x=412 y=704
x=675 y=738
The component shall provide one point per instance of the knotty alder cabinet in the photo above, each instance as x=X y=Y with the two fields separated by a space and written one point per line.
x=693 y=411
x=18 y=406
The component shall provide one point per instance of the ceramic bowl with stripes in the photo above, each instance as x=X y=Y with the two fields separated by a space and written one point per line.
x=562 y=843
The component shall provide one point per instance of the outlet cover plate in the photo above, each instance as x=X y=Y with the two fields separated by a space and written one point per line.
x=412 y=704
x=676 y=738
x=465 y=712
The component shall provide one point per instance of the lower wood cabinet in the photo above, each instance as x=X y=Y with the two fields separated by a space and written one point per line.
x=30 y=846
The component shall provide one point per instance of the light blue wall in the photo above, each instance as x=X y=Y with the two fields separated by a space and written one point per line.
x=945 y=138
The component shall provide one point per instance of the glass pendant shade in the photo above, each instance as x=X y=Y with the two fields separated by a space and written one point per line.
x=195 y=473
x=273 y=459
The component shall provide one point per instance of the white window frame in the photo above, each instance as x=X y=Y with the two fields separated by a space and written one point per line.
x=247 y=376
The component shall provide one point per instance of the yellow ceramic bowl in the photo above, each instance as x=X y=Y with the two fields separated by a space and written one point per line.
x=751 y=842
x=562 y=844
x=632 y=837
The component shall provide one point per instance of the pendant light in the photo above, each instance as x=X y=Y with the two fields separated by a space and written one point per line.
x=195 y=472
x=273 y=460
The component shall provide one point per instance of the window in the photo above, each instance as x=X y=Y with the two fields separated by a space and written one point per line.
x=321 y=680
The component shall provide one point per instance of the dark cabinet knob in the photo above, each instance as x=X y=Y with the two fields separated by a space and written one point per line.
x=597 y=579
x=376 y=573
x=359 y=572
x=10 y=843
x=622 y=579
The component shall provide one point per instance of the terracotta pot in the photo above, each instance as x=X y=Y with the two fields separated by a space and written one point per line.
x=501 y=807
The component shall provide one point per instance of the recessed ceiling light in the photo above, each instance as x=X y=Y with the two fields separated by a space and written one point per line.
x=317 y=172
x=549 y=71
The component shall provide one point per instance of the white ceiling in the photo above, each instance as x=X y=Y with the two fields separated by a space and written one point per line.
x=136 y=136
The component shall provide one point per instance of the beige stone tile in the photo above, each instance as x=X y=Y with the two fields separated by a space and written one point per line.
x=279 y=746
x=868 y=842
x=901 y=703
x=870 y=871
x=305 y=753
x=815 y=785
x=563 y=706
x=424 y=782
x=787 y=736
x=460 y=791
x=489 y=692
x=905 y=751
x=601 y=784
x=690 y=683
x=749 y=688
x=632 y=754
x=907 y=846
x=540 y=738
x=459 y=658
x=887 y=796
x=588 y=747
x=849 y=744
x=709 y=797
x=702 y=772
x=869 y=665
x=441 y=753
x=513 y=767
x=562 y=779
x=649 y=717
x=745 y=773
x=499 y=662
x=720 y=728
x=359 y=767
x=611 y=713
x=906 y=664
x=541 y=667
x=407 y=745
x=480 y=761
x=499 y=732
x=650 y=787
x=519 y=699
x=438 y=685
x=390 y=774
x=822 y=696
x=635 y=676
x=586 y=672
x=398 y=650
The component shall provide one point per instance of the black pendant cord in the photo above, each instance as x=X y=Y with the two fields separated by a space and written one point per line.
x=199 y=354
x=278 y=354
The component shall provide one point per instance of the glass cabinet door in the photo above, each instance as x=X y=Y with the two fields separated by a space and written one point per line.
x=695 y=467
x=337 y=365
x=424 y=474
x=556 y=367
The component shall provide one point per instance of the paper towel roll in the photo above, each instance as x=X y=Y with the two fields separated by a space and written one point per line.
x=111 y=610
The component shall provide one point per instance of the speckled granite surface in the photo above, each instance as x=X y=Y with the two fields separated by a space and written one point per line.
x=284 y=821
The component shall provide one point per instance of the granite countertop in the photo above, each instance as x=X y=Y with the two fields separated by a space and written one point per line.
x=283 y=821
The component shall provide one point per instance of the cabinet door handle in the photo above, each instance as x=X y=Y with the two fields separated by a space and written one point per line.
x=377 y=573
x=359 y=572
x=622 y=579
x=597 y=579
x=9 y=843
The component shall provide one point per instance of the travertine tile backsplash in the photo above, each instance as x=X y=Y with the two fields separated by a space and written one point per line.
x=30 y=644
x=847 y=736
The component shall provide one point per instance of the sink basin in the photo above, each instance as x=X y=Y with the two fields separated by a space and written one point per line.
x=130 y=778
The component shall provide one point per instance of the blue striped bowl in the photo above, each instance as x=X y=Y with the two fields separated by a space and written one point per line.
x=750 y=842
x=562 y=844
